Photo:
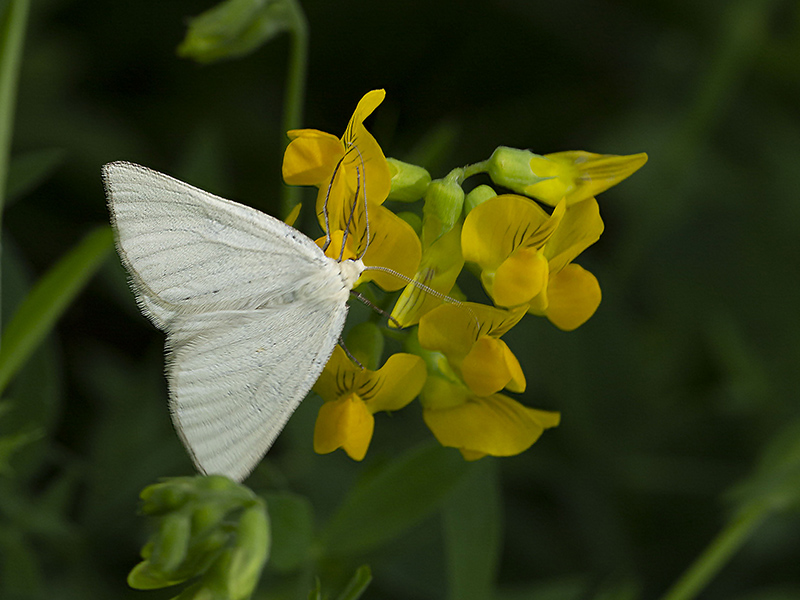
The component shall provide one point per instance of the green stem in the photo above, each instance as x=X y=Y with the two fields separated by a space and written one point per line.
x=474 y=169
x=12 y=36
x=295 y=92
x=718 y=552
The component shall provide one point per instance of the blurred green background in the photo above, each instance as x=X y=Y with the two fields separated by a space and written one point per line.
x=669 y=394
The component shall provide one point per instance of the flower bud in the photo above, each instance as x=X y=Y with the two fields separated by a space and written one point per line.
x=478 y=196
x=409 y=182
x=444 y=200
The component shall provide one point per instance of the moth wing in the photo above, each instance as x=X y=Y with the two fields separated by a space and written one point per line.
x=235 y=379
x=191 y=252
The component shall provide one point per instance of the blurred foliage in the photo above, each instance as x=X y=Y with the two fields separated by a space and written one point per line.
x=671 y=395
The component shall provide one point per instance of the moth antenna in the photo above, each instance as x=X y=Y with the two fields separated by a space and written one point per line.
x=427 y=289
x=346 y=351
x=376 y=308
x=351 y=216
x=325 y=205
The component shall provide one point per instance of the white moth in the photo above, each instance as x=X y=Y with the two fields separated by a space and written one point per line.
x=252 y=309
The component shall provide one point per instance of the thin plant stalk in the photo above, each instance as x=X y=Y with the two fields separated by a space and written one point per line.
x=294 y=98
x=718 y=552
x=12 y=37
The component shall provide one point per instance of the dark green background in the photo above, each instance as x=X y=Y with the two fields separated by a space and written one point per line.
x=668 y=394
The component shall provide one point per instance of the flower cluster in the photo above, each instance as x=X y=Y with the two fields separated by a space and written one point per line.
x=522 y=253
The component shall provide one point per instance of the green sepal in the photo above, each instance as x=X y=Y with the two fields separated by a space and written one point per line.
x=409 y=182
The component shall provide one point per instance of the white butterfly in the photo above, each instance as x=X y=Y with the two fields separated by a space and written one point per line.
x=252 y=309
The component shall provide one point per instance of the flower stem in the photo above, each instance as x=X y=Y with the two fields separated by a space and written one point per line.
x=474 y=169
x=718 y=552
x=295 y=92
x=12 y=36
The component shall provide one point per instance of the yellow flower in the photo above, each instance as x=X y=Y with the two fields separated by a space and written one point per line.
x=468 y=334
x=495 y=425
x=438 y=270
x=526 y=255
x=574 y=175
x=353 y=395
x=577 y=175
x=393 y=244
x=347 y=169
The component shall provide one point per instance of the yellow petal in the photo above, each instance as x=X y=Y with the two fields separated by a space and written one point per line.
x=310 y=157
x=368 y=103
x=517 y=383
x=470 y=455
x=453 y=328
x=574 y=295
x=580 y=228
x=484 y=368
x=494 y=229
x=395 y=384
x=345 y=423
x=334 y=249
x=439 y=393
x=438 y=270
x=519 y=278
x=364 y=158
x=393 y=244
x=496 y=425
x=577 y=175
x=339 y=369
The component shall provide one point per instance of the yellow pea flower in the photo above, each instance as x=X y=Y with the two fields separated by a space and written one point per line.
x=438 y=270
x=353 y=395
x=573 y=175
x=494 y=425
x=468 y=334
x=343 y=168
x=393 y=244
x=526 y=255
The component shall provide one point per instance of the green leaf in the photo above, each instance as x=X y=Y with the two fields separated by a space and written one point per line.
x=472 y=526
x=357 y=584
x=236 y=28
x=292 y=521
x=48 y=300
x=400 y=495
x=30 y=169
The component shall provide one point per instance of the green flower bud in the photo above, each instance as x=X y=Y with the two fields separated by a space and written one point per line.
x=250 y=553
x=163 y=497
x=171 y=542
x=478 y=196
x=409 y=182
x=511 y=168
x=444 y=200
x=366 y=342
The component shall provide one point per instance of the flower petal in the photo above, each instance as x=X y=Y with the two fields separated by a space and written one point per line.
x=395 y=384
x=494 y=229
x=438 y=270
x=345 y=423
x=574 y=295
x=519 y=278
x=339 y=368
x=496 y=425
x=484 y=368
x=393 y=244
x=310 y=157
x=580 y=228
x=578 y=175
